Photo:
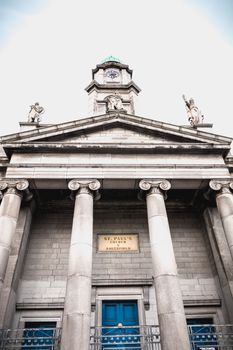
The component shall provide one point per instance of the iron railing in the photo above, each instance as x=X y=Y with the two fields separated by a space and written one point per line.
x=30 y=338
x=202 y=337
x=125 y=337
x=211 y=337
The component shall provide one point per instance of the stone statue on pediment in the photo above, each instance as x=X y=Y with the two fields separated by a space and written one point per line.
x=35 y=112
x=114 y=102
x=195 y=116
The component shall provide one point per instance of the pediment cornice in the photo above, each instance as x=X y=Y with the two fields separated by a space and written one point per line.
x=178 y=136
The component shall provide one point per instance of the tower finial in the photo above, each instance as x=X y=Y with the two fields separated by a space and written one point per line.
x=111 y=59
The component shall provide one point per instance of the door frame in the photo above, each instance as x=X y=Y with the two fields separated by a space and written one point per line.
x=118 y=294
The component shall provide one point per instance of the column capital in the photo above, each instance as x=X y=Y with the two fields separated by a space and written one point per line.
x=155 y=186
x=221 y=186
x=15 y=186
x=85 y=186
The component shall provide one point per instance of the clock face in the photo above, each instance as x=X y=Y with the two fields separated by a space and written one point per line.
x=112 y=73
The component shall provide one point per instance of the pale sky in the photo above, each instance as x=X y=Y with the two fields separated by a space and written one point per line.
x=48 y=48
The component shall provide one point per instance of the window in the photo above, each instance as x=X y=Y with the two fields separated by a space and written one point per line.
x=40 y=335
x=202 y=334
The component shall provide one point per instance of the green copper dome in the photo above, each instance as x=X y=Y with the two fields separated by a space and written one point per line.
x=111 y=59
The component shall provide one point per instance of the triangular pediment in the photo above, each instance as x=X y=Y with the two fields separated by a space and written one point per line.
x=115 y=129
x=117 y=134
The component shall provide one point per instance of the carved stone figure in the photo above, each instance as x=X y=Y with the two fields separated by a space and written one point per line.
x=195 y=116
x=114 y=102
x=35 y=113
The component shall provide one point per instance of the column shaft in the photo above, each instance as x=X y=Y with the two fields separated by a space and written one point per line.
x=225 y=207
x=77 y=312
x=221 y=255
x=9 y=212
x=172 y=321
x=16 y=259
x=224 y=200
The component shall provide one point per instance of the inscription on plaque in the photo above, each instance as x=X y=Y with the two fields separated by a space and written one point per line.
x=118 y=243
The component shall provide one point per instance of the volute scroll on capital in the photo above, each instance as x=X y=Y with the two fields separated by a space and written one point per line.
x=146 y=185
x=221 y=186
x=155 y=186
x=18 y=187
x=85 y=186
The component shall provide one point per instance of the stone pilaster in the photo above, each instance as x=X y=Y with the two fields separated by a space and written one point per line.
x=224 y=200
x=172 y=321
x=11 y=193
x=77 y=312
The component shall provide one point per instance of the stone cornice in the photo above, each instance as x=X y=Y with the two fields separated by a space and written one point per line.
x=114 y=282
x=67 y=165
x=229 y=162
x=128 y=86
x=109 y=64
x=162 y=148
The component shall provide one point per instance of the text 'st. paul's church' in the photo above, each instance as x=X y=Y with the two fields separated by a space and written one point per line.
x=115 y=229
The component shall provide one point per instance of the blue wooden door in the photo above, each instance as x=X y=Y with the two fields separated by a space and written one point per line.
x=120 y=325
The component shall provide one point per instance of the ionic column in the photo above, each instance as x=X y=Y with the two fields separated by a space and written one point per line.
x=224 y=200
x=77 y=311
x=11 y=193
x=173 y=327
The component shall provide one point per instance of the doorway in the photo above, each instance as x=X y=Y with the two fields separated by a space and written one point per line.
x=120 y=325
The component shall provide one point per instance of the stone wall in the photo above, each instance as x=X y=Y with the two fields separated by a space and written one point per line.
x=46 y=261
x=44 y=274
x=126 y=265
x=193 y=256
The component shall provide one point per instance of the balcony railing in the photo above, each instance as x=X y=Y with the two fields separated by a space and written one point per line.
x=30 y=338
x=202 y=337
x=123 y=337
x=211 y=337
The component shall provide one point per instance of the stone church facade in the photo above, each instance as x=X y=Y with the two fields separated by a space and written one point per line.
x=116 y=231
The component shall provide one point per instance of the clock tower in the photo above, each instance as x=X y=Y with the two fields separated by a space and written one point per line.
x=112 y=88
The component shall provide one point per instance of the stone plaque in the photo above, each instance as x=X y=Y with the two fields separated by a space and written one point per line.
x=118 y=243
